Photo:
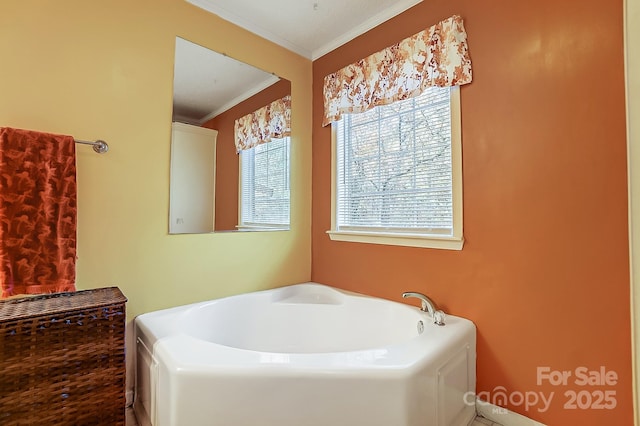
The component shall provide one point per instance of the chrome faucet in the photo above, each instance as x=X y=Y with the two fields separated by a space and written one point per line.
x=427 y=306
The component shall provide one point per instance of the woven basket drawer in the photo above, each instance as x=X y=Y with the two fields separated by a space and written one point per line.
x=62 y=359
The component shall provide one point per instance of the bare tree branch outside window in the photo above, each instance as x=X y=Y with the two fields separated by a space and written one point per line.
x=397 y=165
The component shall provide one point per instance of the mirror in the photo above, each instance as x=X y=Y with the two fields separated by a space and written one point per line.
x=210 y=92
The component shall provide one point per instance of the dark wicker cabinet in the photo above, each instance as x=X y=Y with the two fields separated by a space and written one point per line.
x=62 y=359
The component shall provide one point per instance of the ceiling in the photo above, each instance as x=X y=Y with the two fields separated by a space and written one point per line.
x=310 y=28
x=207 y=83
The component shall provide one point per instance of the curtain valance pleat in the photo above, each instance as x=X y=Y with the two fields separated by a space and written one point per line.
x=437 y=56
x=273 y=121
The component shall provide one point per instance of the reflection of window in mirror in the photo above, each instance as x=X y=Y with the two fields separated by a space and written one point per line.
x=264 y=186
x=228 y=164
x=262 y=138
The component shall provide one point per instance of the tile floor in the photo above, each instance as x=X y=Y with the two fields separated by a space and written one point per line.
x=479 y=421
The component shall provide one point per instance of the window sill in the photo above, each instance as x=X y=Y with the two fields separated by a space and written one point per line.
x=261 y=228
x=394 y=239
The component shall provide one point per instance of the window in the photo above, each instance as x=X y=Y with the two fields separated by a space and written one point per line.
x=264 y=185
x=397 y=175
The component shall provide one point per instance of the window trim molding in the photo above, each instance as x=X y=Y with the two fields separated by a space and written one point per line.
x=454 y=242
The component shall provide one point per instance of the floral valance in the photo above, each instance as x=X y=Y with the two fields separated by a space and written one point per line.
x=437 y=56
x=272 y=121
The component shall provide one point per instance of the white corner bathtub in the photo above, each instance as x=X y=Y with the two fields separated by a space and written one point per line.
x=303 y=355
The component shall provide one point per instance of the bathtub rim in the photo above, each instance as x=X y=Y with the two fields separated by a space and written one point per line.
x=185 y=351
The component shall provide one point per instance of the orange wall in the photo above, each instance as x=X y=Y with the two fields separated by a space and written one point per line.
x=226 y=156
x=544 y=270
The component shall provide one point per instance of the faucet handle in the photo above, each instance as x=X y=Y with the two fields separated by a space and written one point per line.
x=439 y=317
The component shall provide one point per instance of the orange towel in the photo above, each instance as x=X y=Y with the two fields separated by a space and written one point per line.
x=37 y=212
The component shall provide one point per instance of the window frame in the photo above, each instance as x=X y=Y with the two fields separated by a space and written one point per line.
x=447 y=242
x=258 y=226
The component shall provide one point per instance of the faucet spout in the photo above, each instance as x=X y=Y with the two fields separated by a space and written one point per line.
x=427 y=306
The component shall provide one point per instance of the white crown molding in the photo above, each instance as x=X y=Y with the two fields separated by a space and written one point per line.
x=242 y=97
x=369 y=24
x=178 y=118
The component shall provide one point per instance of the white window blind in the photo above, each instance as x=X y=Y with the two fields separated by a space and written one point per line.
x=264 y=185
x=394 y=167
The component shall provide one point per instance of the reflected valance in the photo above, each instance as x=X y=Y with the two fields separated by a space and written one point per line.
x=273 y=121
x=437 y=56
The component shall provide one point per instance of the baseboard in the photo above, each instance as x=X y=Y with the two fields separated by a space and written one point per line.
x=503 y=416
x=131 y=363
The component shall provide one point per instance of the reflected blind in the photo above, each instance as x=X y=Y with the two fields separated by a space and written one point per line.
x=265 y=185
x=394 y=167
